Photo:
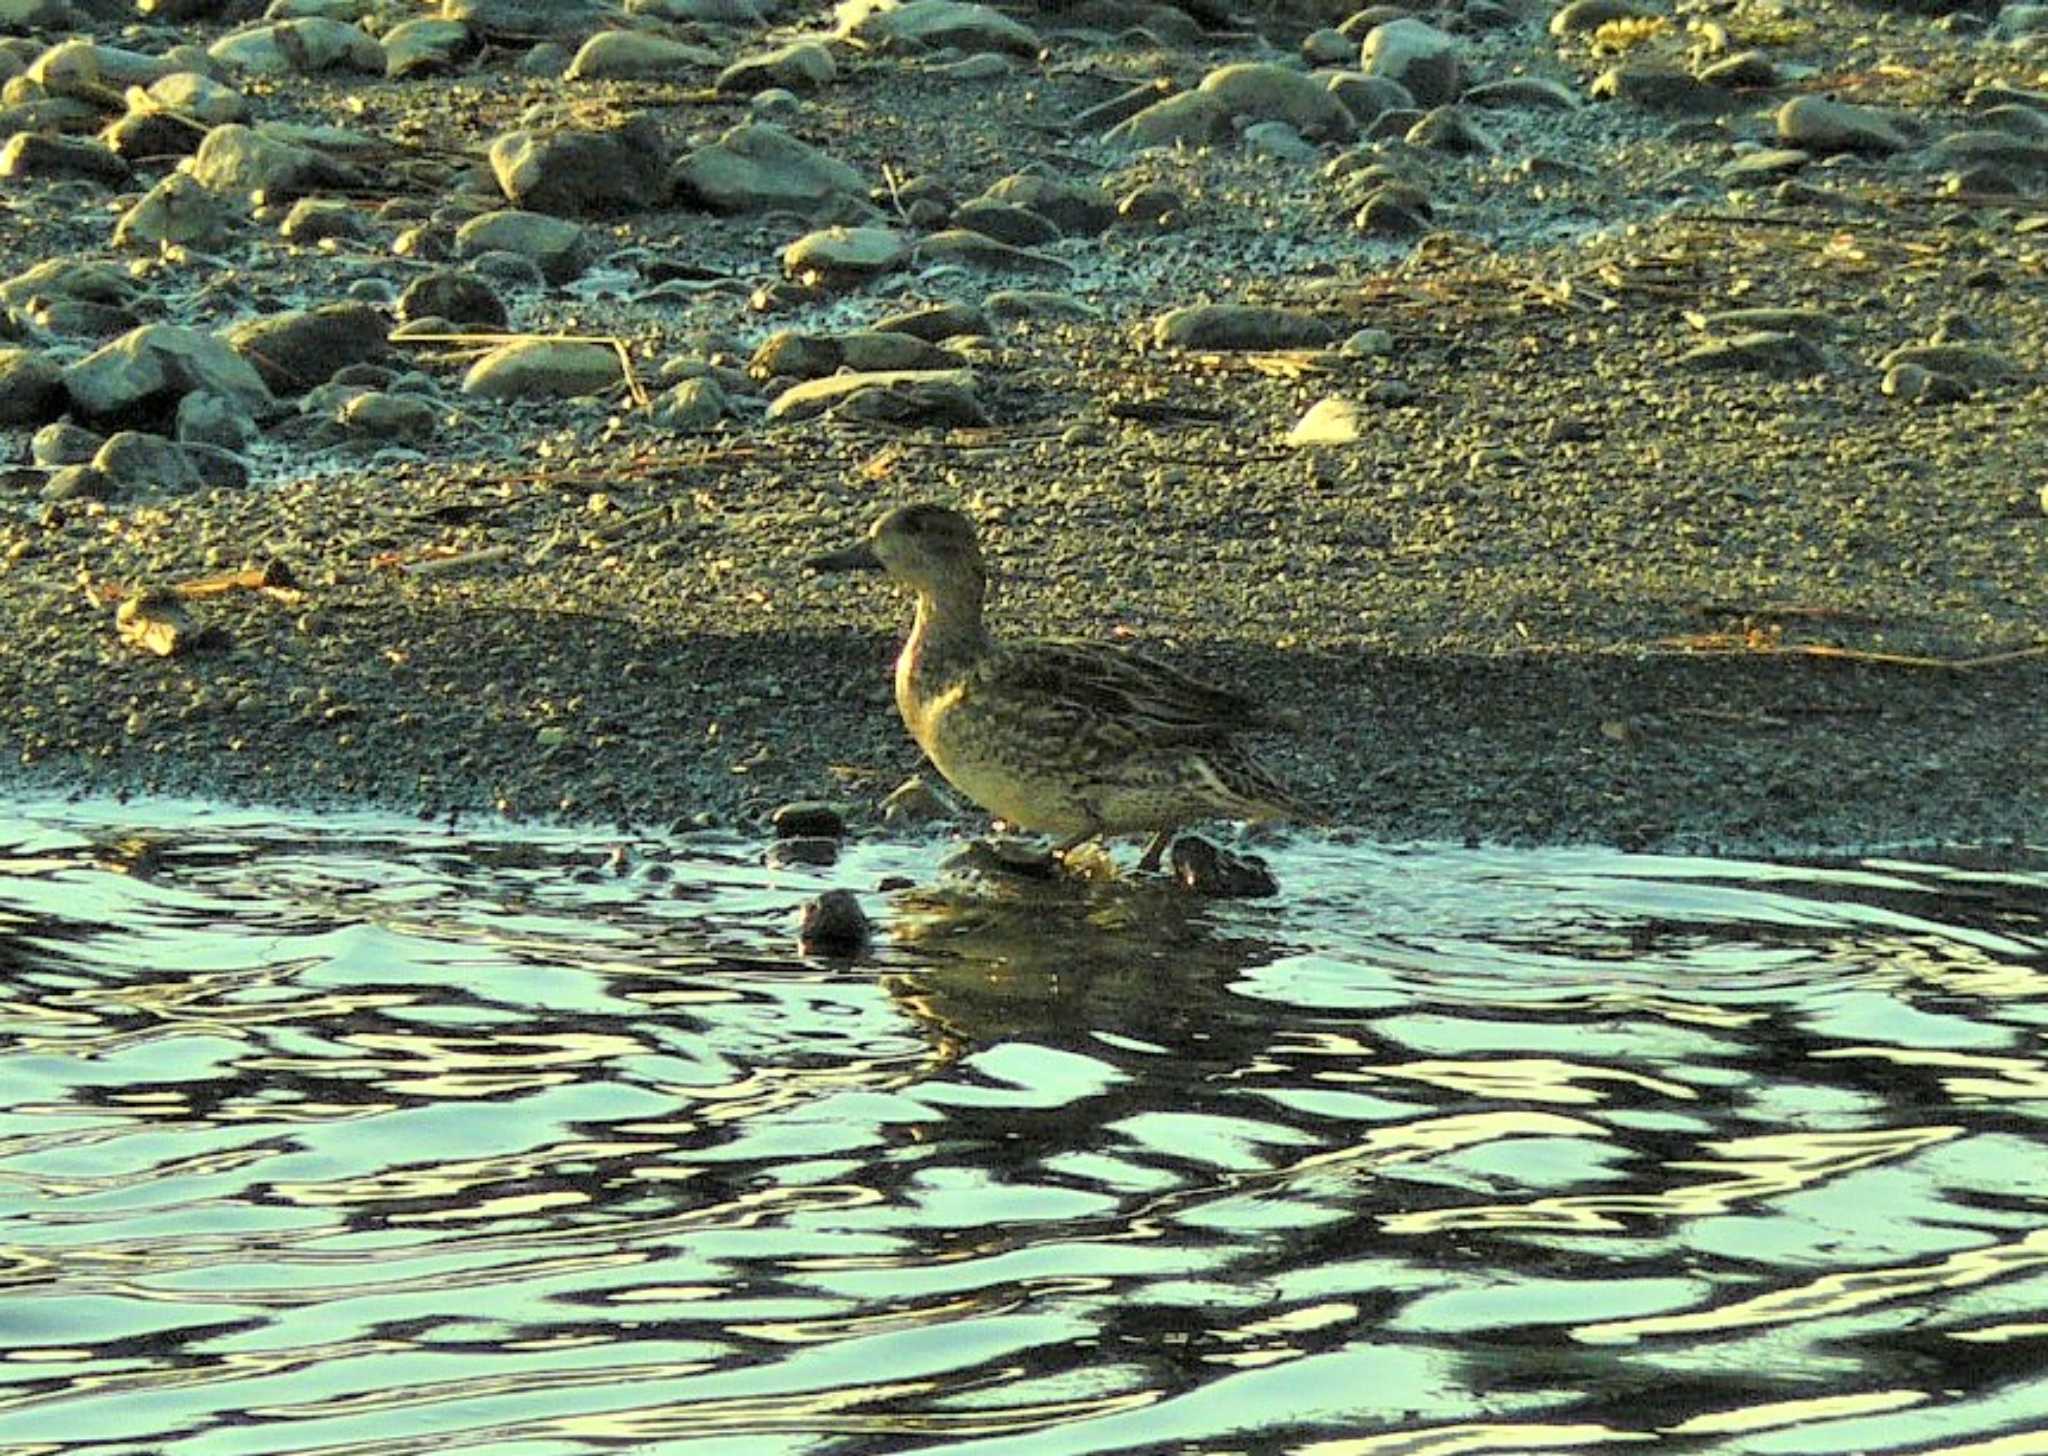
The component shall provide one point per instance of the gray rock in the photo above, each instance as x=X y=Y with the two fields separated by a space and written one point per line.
x=147 y=370
x=559 y=248
x=426 y=46
x=1661 y=89
x=28 y=154
x=705 y=12
x=938 y=394
x=78 y=482
x=63 y=443
x=454 y=295
x=51 y=113
x=31 y=388
x=1451 y=129
x=1810 y=323
x=1394 y=210
x=1419 y=56
x=841 y=255
x=33 y=17
x=151 y=136
x=1765 y=351
x=206 y=418
x=511 y=20
x=936 y=322
x=1278 y=140
x=244 y=161
x=1077 y=209
x=380 y=415
x=2021 y=121
x=300 y=47
x=1193 y=118
x=71 y=278
x=1232 y=326
x=1916 y=384
x=1018 y=226
x=792 y=354
x=508 y=270
x=692 y=407
x=1766 y=162
x=1996 y=148
x=1011 y=304
x=218 y=469
x=544 y=369
x=1522 y=93
x=636 y=55
x=302 y=347
x=802 y=65
x=934 y=25
x=1743 y=71
x=1121 y=107
x=1256 y=91
x=313 y=219
x=1367 y=98
x=1327 y=47
x=138 y=460
x=583 y=173
x=1156 y=206
x=1962 y=361
x=178 y=210
x=966 y=248
x=757 y=167
x=199 y=97
x=1583 y=17
x=1816 y=125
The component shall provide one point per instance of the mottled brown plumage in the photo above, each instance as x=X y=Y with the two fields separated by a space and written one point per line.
x=1075 y=739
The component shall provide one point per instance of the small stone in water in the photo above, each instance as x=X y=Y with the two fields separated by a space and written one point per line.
x=833 y=924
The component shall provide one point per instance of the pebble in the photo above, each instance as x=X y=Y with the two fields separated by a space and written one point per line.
x=914 y=801
x=793 y=354
x=921 y=25
x=31 y=388
x=808 y=818
x=1077 y=209
x=314 y=220
x=1368 y=98
x=570 y=172
x=1212 y=873
x=633 y=55
x=758 y=167
x=801 y=65
x=806 y=852
x=1814 y=124
x=558 y=247
x=1415 y=53
x=1583 y=17
x=78 y=482
x=149 y=369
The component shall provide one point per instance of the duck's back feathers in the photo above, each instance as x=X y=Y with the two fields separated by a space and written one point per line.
x=1083 y=686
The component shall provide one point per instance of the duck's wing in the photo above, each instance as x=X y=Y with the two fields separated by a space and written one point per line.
x=1073 y=685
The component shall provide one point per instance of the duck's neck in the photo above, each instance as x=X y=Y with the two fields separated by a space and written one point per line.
x=947 y=639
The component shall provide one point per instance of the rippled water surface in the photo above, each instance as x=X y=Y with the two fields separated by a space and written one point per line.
x=353 y=1136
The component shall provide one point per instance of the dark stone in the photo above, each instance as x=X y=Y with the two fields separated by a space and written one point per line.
x=452 y=294
x=807 y=819
x=300 y=348
x=1216 y=875
x=833 y=924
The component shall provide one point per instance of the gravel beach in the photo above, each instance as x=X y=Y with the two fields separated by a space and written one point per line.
x=1606 y=423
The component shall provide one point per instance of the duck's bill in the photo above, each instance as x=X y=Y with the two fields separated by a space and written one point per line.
x=854 y=558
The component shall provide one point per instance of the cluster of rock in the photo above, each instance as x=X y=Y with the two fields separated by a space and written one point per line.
x=118 y=399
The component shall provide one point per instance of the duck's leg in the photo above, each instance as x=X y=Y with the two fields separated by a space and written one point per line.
x=1155 y=851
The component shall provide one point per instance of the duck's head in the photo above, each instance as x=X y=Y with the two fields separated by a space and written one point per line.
x=928 y=548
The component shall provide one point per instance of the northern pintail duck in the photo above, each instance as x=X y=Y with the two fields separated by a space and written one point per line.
x=1073 y=739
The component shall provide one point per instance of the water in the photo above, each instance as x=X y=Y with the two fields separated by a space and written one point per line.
x=356 y=1137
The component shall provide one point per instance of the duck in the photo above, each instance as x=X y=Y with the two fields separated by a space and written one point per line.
x=1079 y=740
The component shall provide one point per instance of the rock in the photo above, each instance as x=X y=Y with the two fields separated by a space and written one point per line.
x=1809 y=323
x=508 y=270
x=1077 y=209
x=1522 y=93
x=78 y=482
x=1764 y=163
x=809 y=851
x=139 y=460
x=1744 y=71
x=1962 y=361
x=544 y=369
x=315 y=219
x=791 y=354
x=1017 y=226
x=1233 y=326
x=455 y=295
x=382 y=415
x=28 y=154
x=1394 y=210
x=636 y=55
x=426 y=46
x=1816 y=125
x=516 y=20
x=2000 y=148
x=558 y=247
x=63 y=443
x=32 y=17
x=691 y=407
x=746 y=13
x=190 y=94
x=1153 y=206
x=757 y=167
x=145 y=372
x=1452 y=130
x=914 y=802
x=842 y=255
x=583 y=173
x=1916 y=384
x=302 y=347
x=178 y=210
x=31 y=388
x=206 y=418
x=1278 y=140
x=151 y=136
x=933 y=25
x=1121 y=107
x=1266 y=92
x=243 y=161
x=300 y=47
x=1193 y=118
x=1583 y=17
x=833 y=924
x=1419 y=56
x=934 y=394
x=1764 y=351
x=52 y=114
x=1329 y=421
x=1009 y=304
x=936 y=323
x=1211 y=873
x=962 y=247
x=802 y=65
x=1660 y=89
x=1368 y=98
x=218 y=469
x=157 y=621
x=73 y=278
x=808 y=819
